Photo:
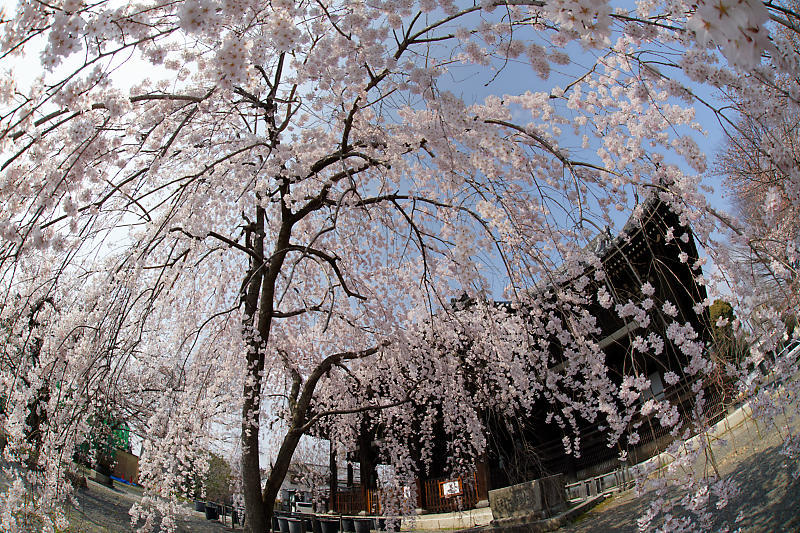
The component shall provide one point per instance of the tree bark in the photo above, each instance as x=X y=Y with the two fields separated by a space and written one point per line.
x=255 y=514
x=259 y=311
x=279 y=470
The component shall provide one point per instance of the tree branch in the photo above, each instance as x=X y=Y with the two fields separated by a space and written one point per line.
x=311 y=383
x=331 y=260
x=226 y=240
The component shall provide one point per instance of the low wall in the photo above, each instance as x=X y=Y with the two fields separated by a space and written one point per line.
x=534 y=500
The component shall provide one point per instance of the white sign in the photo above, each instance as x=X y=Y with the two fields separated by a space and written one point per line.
x=451 y=488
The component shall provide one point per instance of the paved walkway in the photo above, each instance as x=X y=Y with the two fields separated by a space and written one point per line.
x=769 y=500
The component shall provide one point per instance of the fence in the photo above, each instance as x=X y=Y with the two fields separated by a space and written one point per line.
x=619 y=479
x=435 y=499
x=597 y=459
x=719 y=397
x=471 y=488
x=355 y=499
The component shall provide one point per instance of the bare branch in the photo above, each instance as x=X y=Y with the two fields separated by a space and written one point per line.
x=331 y=260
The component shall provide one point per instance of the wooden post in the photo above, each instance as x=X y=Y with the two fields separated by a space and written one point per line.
x=334 y=480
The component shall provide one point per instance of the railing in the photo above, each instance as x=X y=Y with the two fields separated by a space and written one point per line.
x=597 y=459
x=349 y=500
x=617 y=480
x=718 y=398
x=373 y=502
x=222 y=512
x=436 y=500
x=355 y=499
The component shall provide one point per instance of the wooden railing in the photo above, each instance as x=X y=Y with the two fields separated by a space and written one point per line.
x=373 y=502
x=349 y=500
x=433 y=495
x=436 y=499
x=353 y=500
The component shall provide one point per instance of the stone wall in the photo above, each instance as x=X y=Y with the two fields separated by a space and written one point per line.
x=533 y=500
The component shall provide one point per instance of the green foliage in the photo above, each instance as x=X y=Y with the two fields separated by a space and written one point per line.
x=721 y=308
x=216 y=481
x=727 y=346
x=99 y=450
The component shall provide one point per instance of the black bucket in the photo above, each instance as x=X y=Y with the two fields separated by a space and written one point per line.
x=329 y=525
x=363 y=525
x=295 y=525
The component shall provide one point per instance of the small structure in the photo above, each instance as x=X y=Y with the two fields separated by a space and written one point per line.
x=126 y=466
x=304 y=488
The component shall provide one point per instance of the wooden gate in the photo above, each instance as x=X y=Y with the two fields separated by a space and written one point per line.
x=450 y=494
x=353 y=500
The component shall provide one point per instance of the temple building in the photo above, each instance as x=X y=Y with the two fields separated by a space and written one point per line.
x=653 y=248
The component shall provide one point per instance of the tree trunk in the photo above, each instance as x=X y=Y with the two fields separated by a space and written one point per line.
x=259 y=307
x=279 y=470
x=256 y=515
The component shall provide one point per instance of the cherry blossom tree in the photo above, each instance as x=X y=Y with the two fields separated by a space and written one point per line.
x=762 y=195
x=265 y=207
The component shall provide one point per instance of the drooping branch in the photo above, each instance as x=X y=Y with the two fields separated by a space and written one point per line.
x=547 y=146
x=363 y=409
x=230 y=242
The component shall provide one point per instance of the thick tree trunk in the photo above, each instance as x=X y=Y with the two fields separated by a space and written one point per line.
x=279 y=470
x=259 y=308
x=256 y=515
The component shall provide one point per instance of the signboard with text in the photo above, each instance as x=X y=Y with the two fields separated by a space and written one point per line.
x=449 y=488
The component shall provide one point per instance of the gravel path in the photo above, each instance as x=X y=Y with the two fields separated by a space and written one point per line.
x=105 y=510
x=769 y=500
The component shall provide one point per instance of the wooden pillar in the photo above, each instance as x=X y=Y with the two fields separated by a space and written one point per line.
x=367 y=462
x=367 y=457
x=334 y=479
x=482 y=480
x=572 y=470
